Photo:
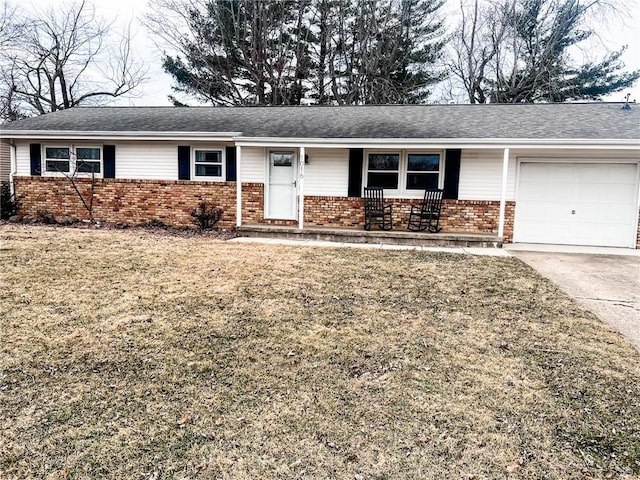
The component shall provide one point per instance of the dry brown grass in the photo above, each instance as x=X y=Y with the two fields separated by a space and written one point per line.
x=132 y=355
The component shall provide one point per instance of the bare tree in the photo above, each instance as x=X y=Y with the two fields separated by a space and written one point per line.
x=67 y=56
x=11 y=29
x=84 y=195
x=476 y=45
x=512 y=51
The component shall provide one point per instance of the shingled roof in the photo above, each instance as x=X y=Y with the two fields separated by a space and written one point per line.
x=488 y=121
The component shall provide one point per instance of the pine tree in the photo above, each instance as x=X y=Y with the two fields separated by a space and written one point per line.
x=281 y=52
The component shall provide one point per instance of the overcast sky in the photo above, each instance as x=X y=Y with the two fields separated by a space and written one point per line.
x=614 y=34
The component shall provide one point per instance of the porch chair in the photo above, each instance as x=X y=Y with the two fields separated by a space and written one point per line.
x=376 y=212
x=426 y=216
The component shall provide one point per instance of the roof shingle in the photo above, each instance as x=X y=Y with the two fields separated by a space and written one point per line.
x=508 y=121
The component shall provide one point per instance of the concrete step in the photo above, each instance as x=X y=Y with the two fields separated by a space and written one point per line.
x=447 y=239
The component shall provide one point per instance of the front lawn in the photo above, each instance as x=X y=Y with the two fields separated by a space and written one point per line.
x=126 y=354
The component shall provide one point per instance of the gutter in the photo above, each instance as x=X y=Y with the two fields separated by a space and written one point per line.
x=237 y=139
x=120 y=135
x=479 y=143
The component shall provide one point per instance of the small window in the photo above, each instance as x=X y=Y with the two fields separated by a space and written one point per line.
x=88 y=159
x=422 y=171
x=383 y=170
x=57 y=159
x=208 y=163
x=282 y=159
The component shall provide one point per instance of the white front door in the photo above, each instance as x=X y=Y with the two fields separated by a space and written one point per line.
x=281 y=203
x=577 y=204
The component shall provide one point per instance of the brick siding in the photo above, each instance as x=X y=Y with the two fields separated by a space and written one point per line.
x=126 y=201
x=171 y=201
x=468 y=216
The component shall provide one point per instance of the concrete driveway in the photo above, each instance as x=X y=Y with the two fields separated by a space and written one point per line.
x=608 y=285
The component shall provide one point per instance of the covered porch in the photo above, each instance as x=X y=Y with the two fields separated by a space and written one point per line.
x=334 y=209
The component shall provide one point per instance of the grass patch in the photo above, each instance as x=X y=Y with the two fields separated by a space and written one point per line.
x=133 y=355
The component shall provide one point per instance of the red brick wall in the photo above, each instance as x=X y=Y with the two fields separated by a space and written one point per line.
x=253 y=206
x=470 y=216
x=127 y=201
x=171 y=201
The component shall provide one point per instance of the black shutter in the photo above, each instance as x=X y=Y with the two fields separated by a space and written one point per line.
x=109 y=161
x=230 y=155
x=184 y=162
x=451 y=174
x=36 y=159
x=356 y=156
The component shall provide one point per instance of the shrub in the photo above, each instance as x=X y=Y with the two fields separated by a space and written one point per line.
x=47 y=217
x=206 y=215
x=8 y=202
x=154 y=223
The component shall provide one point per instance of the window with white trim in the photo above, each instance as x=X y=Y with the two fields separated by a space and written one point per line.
x=208 y=164
x=57 y=159
x=404 y=172
x=423 y=171
x=72 y=159
x=383 y=170
x=88 y=159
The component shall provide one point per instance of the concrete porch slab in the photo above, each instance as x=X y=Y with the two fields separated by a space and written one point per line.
x=379 y=237
x=488 y=251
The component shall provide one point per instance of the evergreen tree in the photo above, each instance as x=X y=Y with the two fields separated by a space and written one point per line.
x=237 y=52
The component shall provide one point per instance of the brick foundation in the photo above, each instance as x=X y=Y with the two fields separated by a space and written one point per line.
x=127 y=201
x=468 y=216
x=171 y=201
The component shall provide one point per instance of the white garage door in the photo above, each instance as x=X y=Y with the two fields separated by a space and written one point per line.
x=577 y=204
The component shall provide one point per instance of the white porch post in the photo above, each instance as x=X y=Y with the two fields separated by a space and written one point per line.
x=238 y=186
x=503 y=192
x=301 y=188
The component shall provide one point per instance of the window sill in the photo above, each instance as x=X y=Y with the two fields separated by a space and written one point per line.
x=69 y=175
x=207 y=179
x=416 y=194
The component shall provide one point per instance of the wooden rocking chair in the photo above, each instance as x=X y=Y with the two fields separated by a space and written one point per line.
x=426 y=216
x=376 y=212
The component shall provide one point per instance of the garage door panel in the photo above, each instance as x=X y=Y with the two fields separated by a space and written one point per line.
x=617 y=193
x=576 y=203
x=541 y=212
x=590 y=174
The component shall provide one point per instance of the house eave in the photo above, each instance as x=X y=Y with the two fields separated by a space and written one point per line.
x=440 y=143
x=121 y=135
x=369 y=143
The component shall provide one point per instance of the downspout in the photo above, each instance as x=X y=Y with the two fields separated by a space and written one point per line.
x=13 y=169
x=301 y=189
x=503 y=193
x=238 y=186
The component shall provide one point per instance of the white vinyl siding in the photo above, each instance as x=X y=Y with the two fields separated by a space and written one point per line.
x=253 y=164
x=327 y=172
x=147 y=160
x=481 y=170
x=23 y=158
x=5 y=160
x=481 y=175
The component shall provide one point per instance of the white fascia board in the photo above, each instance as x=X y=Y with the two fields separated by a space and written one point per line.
x=367 y=143
x=439 y=143
x=124 y=135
